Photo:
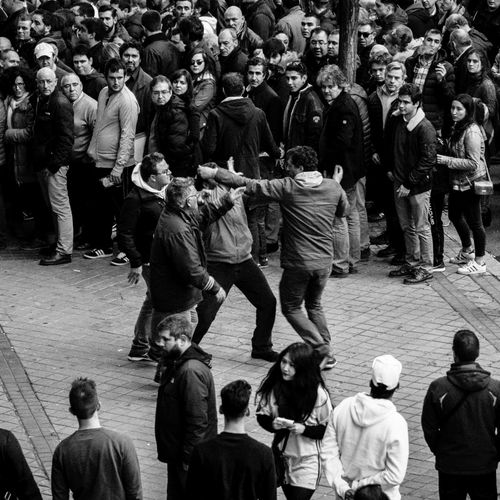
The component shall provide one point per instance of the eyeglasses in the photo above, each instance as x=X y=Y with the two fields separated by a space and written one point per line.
x=365 y=34
x=166 y=171
x=197 y=62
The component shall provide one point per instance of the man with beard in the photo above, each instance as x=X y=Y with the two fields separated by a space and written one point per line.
x=109 y=17
x=232 y=58
x=249 y=40
x=185 y=409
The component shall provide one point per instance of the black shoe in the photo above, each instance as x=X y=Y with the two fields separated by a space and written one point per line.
x=353 y=270
x=339 y=274
x=404 y=270
x=420 y=275
x=272 y=247
x=48 y=251
x=376 y=217
x=267 y=355
x=381 y=239
x=387 y=252
x=397 y=260
x=56 y=260
x=365 y=255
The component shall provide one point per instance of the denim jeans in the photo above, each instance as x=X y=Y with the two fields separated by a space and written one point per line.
x=413 y=213
x=55 y=192
x=142 y=330
x=300 y=286
x=248 y=278
x=465 y=214
x=364 y=232
x=346 y=236
x=273 y=222
x=256 y=217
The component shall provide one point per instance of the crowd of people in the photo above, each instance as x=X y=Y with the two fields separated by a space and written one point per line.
x=190 y=140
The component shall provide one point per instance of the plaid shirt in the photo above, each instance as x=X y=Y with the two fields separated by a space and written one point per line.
x=421 y=70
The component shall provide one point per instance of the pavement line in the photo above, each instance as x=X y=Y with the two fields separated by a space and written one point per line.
x=29 y=409
x=472 y=314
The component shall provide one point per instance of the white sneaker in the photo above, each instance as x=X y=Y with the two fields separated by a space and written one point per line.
x=462 y=257
x=472 y=268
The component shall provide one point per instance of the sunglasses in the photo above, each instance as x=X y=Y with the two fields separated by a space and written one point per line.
x=364 y=34
x=197 y=62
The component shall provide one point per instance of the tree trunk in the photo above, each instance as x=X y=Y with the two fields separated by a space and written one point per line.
x=348 y=12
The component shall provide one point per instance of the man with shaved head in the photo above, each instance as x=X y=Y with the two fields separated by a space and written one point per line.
x=9 y=59
x=52 y=146
x=249 y=40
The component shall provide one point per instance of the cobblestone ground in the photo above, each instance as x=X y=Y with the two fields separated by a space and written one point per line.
x=77 y=320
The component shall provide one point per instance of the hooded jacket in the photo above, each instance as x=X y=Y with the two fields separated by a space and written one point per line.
x=413 y=146
x=139 y=215
x=366 y=442
x=185 y=407
x=419 y=20
x=260 y=19
x=235 y=62
x=93 y=83
x=463 y=437
x=160 y=57
x=237 y=128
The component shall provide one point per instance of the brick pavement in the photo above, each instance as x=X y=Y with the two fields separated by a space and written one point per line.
x=77 y=320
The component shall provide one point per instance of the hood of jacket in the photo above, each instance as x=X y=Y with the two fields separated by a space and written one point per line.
x=469 y=377
x=309 y=179
x=239 y=110
x=367 y=411
x=142 y=184
x=194 y=351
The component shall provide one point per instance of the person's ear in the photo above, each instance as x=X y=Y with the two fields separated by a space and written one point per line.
x=247 y=413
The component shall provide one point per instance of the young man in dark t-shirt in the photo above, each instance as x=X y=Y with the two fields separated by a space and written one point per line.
x=232 y=466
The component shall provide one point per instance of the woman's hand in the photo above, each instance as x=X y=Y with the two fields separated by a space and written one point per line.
x=441 y=159
x=277 y=425
x=297 y=428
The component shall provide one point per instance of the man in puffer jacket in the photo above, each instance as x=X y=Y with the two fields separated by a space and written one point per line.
x=461 y=421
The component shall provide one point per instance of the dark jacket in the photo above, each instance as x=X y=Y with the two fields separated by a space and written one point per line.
x=463 y=437
x=413 y=147
x=265 y=98
x=419 y=20
x=461 y=73
x=488 y=23
x=341 y=141
x=436 y=95
x=16 y=477
x=277 y=81
x=303 y=119
x=52 y=132
x=160 y=56
x=390 y=22
x=185 y=409
x=361 y=100
x=375 y=112
x=235 y=62
x=313 y=66
x=249 y=40
x=260 y=19
x=93 y=84
x=239 y=129
x=178 y=260
x=170 y=135
x=139 y=216
x=138 y=84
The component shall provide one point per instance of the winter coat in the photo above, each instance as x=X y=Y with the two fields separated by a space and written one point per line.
x=413 y=147
x=204 y=97
x=265 y=98
x=464 y=439
x=248 y=40
x=17 y=140
x=390 y=22
x=366 y=442
x=170 y=135
x=139 y=216
x=185 y=408
x=138 y=84
x=52 y=143
x=419 y=20
x=487 y=22
x=3 y=123
x=309 y=204
x=235 y=62
x=291 y=25
x=93 y=84
x=303 y=119
x=178 y=260
x=341 y=141
x=436 y=95
x=239 y=129
x=466 y=159
x=160 y=56
x=461 y=73
x=376 y=113
x=484 y=89
x=361 y=100
x=260 y=19
x=112 y=143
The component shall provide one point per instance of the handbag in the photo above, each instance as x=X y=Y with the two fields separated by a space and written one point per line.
x=483 y=187
x=280 y=461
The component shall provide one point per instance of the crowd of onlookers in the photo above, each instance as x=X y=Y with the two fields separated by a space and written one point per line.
x=88 y=88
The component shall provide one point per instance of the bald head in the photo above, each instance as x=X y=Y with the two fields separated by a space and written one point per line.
x=233 y=17
x=459 y=41
x=46 y=81
x=5 y=44
x=10 y=58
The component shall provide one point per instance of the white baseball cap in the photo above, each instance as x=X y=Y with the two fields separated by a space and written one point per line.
x=386 y=370
x=44 y=49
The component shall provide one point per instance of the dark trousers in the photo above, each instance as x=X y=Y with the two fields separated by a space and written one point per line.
x=250 y=280
x=296 y=493
x=393 y=227
x=456 y=487
x=435 y=214
x=176 y=482
x=465 y=213
x=80 y=185
x=256 y=217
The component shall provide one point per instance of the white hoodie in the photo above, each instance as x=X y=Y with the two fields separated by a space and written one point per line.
x=366 y=442
x=141 y=183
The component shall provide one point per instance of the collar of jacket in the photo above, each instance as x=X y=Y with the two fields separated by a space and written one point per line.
x=155 y=38
x=419 y=116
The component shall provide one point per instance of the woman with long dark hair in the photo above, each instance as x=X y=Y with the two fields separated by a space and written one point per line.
x=294 y=405
x=466 y=163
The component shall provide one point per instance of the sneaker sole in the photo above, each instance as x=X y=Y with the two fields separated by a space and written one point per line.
x=139 y=359
x=91 y=257
x=474 y=273
x=425 y=280
x=119 y=263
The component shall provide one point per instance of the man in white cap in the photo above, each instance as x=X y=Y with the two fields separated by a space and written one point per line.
x=366 y=441
x=46 y=56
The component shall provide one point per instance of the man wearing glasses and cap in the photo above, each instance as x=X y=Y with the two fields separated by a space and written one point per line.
x=366 y=441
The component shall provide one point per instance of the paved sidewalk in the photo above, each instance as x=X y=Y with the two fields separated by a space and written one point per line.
x=77 y=320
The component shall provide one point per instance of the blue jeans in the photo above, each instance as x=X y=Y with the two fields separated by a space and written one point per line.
x=300 y=286
x=346 y=236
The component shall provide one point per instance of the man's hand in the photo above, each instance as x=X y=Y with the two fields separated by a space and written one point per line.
x=134 y=275
x=297 y=428
x=402 y=192
x=235 y=194
x=220 y=296
x=207 y=172
x=440 y=72
x=391 y=176
x=115 y=178
x=338 y=173
x=376 y=159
